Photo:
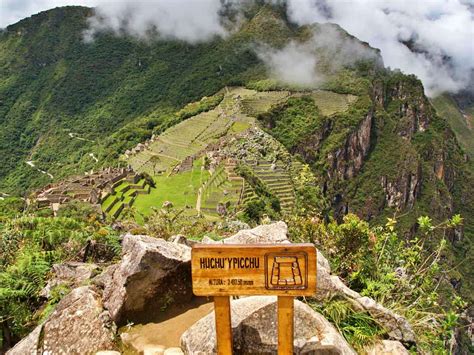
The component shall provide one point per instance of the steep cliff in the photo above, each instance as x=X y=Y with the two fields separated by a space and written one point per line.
x=389 y=154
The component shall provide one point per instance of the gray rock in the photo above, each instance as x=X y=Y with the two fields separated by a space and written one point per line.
x=254 y=323
x=208 y=240
x=181 y=239
x=152 y=274
x=329 y=286
x=72 y=274
x=397 y=326
x=28 y=345
x=78 y=325
x=264 y=234
x=387 y=347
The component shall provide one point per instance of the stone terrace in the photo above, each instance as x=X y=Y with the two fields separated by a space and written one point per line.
x=89 y=188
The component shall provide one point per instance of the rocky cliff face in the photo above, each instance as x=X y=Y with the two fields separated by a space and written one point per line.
x=401 y=159
x=400 y=153
x=402 y=192
x=310 y=148
x=346 y=161
x=414 y=110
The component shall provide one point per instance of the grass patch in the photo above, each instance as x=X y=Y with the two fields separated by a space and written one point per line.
x=180 y=189
x=447 y=108
x=330 y=102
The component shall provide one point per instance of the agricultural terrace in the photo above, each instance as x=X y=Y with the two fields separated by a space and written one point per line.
x=197 y=189
x=123 y=194
x=330 y=102
x=180 y=189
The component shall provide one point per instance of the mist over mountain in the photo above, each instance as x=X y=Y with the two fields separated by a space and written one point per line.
x=431 y=40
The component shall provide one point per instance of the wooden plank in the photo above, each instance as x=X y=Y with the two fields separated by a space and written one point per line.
x=223 y=325
x=285 y=325
x=259 y=269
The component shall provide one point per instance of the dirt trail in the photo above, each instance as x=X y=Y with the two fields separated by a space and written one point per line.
x=169 y=325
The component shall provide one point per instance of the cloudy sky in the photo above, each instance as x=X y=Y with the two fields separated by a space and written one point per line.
x=435 y=29
x=12 y=11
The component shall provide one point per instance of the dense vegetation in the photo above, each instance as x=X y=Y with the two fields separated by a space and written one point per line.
x=30 y=245
x=110 y=94
x=375 y=262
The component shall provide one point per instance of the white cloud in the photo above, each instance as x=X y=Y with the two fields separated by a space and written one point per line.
x=297 y=63
x=294 y=64
x=188 y=20
x=12 y=11
x=440 y=31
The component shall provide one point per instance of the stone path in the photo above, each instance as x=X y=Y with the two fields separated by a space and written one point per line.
x=166 y=331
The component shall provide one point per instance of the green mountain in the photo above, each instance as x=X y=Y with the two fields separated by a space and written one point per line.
x=460 y=116
x=208 y=132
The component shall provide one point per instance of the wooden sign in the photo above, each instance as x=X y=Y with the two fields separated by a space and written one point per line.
x=225 y=270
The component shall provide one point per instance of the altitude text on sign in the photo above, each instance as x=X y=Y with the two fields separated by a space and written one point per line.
x=224 y=270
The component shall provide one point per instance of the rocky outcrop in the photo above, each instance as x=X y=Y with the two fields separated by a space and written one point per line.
x=402 y=192
x=414 y=109
x=78 y=325
x=152 y=274
x=70 y=274
x=330 y=286
x=387 y=347
x=346 y=161
x=413 y=118
x=443 y=167
x=310 y=148
x=254 y=331
x=263 y=234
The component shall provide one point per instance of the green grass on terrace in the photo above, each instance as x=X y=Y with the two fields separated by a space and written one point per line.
x=122 y=186
x=238 y=127
x=108 y=201
x=330 y=102
x=181 y=189
x=447 y=108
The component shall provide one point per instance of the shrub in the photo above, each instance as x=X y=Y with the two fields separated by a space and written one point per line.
x=78 y=210
x=401 y=274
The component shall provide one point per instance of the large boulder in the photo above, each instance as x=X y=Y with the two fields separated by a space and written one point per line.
x=263 y=234
x=152 y=274
x=387 y=347
x=254 y=323
x=78 y=325
x=329 y=286
x=71 y=274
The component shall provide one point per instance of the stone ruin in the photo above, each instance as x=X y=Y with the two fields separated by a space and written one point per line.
x=91 y=188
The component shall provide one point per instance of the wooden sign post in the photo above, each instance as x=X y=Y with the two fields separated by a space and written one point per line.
x=283 y=270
